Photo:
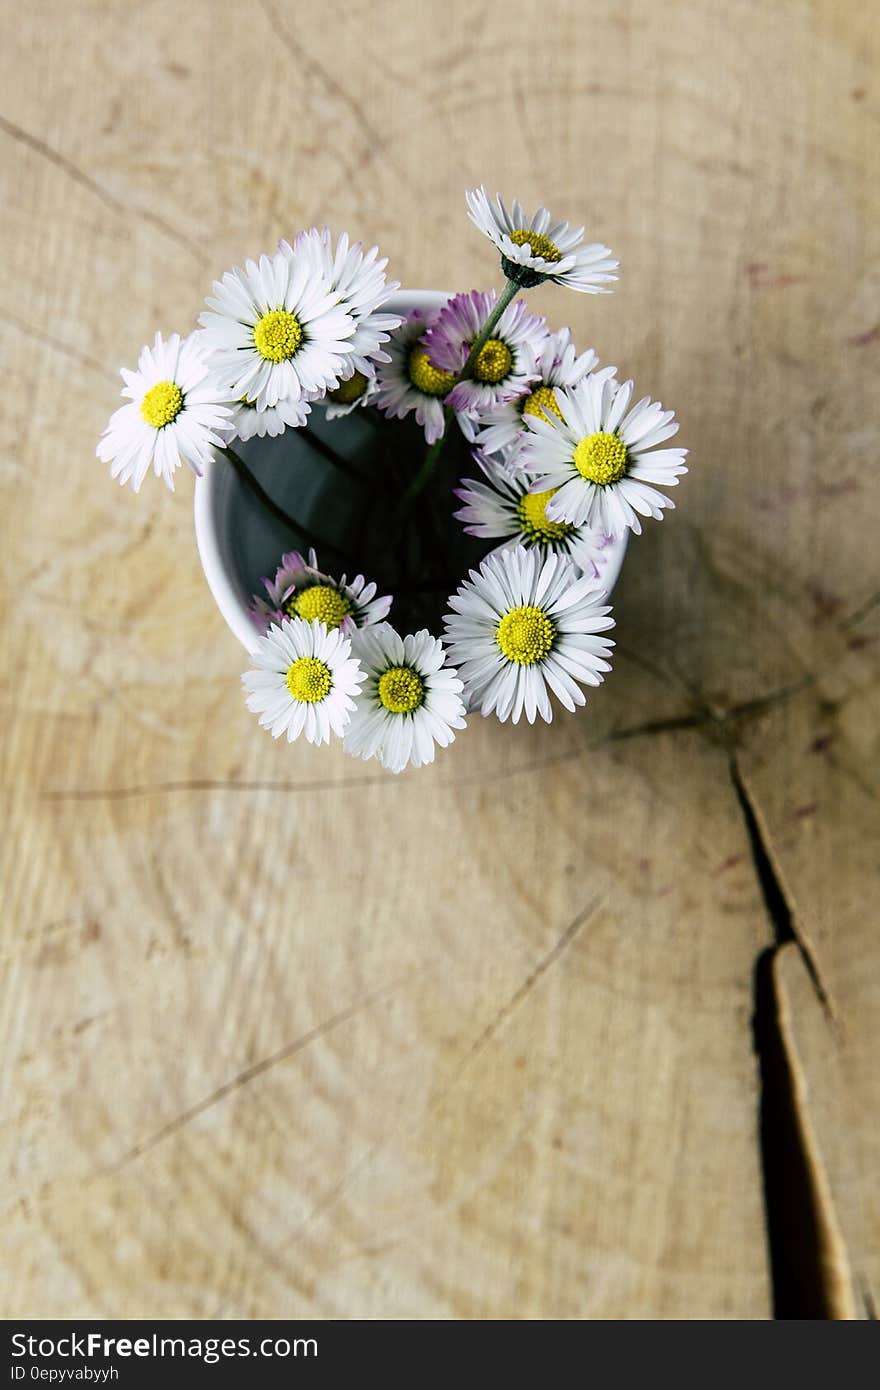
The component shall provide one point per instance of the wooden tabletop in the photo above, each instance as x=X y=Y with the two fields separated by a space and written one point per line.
x=583 y=1021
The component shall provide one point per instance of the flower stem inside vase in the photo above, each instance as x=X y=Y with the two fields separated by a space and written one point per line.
x=335 y=486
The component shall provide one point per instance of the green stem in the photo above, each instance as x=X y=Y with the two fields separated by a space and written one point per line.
x=428 y=464
x=272 y=506
x=322 y=447
x=511 y=289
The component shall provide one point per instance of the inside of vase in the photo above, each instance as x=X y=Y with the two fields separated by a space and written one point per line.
x=350 y=511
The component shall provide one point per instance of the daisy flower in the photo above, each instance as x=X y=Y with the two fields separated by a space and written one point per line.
x=505 y=365
x=301 y=590
x=411 y=382
x=522 y=624
x=503 y=507
x=502 y=426
x=357 y=278
x=276 y=331
x=541 y=249
x=357 y=390
x=248 y=421
x=600 y=458
x=305 y=681
x=410 y=702
x=176 y=412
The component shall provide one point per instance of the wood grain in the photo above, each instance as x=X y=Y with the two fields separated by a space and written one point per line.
x=288 y=1037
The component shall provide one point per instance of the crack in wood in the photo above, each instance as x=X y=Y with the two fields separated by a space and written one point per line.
x=776 y=901
x=805 y=1249
x=868 y=1301
x=696 y=719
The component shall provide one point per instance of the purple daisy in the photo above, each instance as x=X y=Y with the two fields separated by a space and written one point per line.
x=301 y=590
x=507 y=362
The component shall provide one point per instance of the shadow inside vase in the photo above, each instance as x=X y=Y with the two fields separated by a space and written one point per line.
x=342 y=481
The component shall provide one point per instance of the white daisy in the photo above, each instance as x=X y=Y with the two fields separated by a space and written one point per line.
x=176 y=413
x=541 y=249
x=502 y=426
x=276 y=331
x=522 y=623
x=506 y=363
x=305 y=681
x=300 y=590
x=248 y=421
x=357 y=278
x=410 y=702
x=410 y=381
x=600 y=459
x=357 y=390
x=503 y=506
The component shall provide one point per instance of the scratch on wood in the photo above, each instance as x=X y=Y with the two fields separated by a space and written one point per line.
x=694 y=720
x=863 y=610
x=242 y=1078
x=61 y=161
x=56 y=345
x=73 y=171
x=309 y=63
x=573 y=929
x=208 y=784
x=663 y=726
x=180 y=237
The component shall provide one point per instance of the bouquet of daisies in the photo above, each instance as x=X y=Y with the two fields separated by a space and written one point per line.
x=565 y=465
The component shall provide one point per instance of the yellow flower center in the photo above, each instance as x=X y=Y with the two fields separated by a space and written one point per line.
x=278 y=335
x=162 y=404
x=601 y=458
x=309 y=680
x=426 y=377
x=320 y=601
x=526 y=635
x=494 y=361
x=541 y=245
x=348 y=391
x=542 y=399
x=401 y=690
x=531 y=511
